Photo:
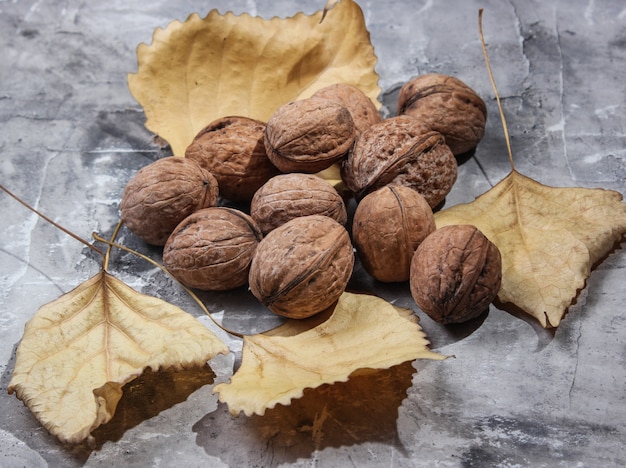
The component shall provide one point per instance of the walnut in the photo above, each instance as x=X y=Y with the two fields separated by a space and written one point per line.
x=289 y=196
x=363 y=111
x=162 y=194
x=455 y=274
x=212 y=249
x=308 y=135
x=448 y=106
x=389 y=224
x=233 y=150
x=302 y=267
x=401 y=151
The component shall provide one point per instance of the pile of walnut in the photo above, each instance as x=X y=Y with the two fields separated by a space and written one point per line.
x=292 y=248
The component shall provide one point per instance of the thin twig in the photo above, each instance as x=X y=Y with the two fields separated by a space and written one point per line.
x=56 y=225
x=105 y=263
x=162 y=268
x=495 y=89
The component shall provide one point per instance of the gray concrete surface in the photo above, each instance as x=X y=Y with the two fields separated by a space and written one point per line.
x=71 y=136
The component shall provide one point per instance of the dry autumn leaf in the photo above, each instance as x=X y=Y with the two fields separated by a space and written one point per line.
x=79 y=350
x=206 y=68
x=363 y=332
x=549 y=239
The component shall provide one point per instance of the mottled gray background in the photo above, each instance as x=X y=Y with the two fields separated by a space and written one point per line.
x=71 y=136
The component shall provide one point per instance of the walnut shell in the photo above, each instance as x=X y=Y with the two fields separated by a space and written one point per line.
x=233 y=150
x=455 y=274
x=212 y=249
x=363 y=111
x=401 y=151
x=302 y=267
x=289 y=196
x=448 y=106
x=162 y=194
x=389 y=224
x=308 y=135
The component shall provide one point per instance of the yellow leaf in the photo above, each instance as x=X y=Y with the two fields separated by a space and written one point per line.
x=79 y=350
x=206 y=68
x=549 y=239
x=363 y=332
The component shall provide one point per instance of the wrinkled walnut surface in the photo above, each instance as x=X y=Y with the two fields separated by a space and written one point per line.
x=455 y=274
x=448 y=106
x=162 y=194
x=289 y=196
x=401 y=151
x=308 y=135
x=233 y=150
x=362 y=109
x=302 y=267
x=212 y=249
x=389 y=224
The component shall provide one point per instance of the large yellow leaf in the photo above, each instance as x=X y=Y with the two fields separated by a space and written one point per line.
x=363 y=332
x=549 y=239
x=205 y=68
x=78 y=351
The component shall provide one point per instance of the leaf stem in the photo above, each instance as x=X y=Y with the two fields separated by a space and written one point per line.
x=55 y=224
x=495 y=89
x=193 y=295
x=116 y=231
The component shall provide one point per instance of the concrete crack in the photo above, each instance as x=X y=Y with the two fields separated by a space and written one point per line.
x=573 y=383
x=521 y=40
x=562 y=121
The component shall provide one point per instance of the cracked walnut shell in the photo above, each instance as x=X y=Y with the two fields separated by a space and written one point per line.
x=212 y=249
x=302 y=267
x=308 y=135
x=455 y=274
x=233 y=150
x=288 y=196
x=389 y=224
x=162 y=194
x=447 y=105
x=401 y=151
